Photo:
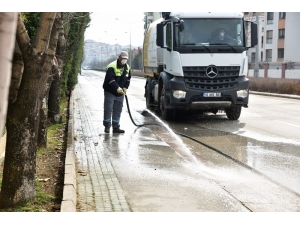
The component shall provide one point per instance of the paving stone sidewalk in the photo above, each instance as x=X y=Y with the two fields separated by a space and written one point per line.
x=98 y=188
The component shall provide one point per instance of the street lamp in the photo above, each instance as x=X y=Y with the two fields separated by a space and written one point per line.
x=130 y=56
x=116 y=48
x=129 y=42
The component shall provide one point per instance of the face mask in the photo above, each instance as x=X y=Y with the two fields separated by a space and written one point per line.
x=222 y=34
x=123 y=61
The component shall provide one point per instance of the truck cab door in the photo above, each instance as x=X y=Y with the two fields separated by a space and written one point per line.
x=167 y=55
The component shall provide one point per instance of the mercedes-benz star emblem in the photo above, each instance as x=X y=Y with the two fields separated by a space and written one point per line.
x=211 y=71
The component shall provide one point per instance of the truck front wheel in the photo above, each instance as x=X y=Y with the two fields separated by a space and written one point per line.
x=149 y=97
x=233 y=113
x=166 y=114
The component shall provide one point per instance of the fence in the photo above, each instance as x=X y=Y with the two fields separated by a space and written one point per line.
x=287 y=70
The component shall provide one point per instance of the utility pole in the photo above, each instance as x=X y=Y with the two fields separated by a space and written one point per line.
x=130 y=46
x=256 y=70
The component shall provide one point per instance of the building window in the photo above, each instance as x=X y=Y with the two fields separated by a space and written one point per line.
x=282 y=15
x=246 y=13
x=270 y=17
x=254 y=14
x=269 y=36
x=262 y=29
x=262 y=41
x=281 y=53
x=269 y=55
x=281 y=33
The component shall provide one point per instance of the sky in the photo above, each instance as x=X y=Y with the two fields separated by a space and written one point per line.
x=130 y=13
x=116 y=27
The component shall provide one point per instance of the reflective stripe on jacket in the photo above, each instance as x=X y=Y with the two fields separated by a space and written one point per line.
x=116 y=76
x=118 y=71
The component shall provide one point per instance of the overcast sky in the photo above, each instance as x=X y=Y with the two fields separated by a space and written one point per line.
x=104 y=27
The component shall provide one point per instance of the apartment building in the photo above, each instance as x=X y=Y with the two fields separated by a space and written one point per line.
x=278 y=36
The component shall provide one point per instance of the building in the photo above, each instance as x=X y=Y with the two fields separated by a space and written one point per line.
x=278 y=37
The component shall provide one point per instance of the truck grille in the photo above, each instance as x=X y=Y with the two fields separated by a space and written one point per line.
x=196 y=78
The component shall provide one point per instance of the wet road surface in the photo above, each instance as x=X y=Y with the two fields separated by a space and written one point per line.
x=160 y=171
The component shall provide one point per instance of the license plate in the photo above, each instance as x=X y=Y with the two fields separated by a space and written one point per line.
x=211 y=94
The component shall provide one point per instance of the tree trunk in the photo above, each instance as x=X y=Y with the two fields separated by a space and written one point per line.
x=42 y=137
x=55 y=89
x=18 y=185
x=54 y=100
x=16 y=75
x=8 y=25
x=42 y=133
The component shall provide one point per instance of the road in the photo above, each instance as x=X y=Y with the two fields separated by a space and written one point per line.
x=264 y=139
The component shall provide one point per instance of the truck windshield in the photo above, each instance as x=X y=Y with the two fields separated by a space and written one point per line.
x=208 y=31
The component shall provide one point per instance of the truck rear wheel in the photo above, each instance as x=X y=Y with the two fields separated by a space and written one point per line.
x=233 y=113
x=166 y=114
x=149 y=97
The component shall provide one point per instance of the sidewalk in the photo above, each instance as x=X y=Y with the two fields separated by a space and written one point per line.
x=88 y=166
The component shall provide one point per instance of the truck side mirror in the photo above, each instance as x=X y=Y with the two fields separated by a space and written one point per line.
x=251 y=34
x=180 y=25
x=160 y=35
x=254 y=38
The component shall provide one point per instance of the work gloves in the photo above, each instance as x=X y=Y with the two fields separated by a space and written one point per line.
x=120 y=91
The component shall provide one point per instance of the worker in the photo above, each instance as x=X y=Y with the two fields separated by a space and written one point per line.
x=115 y=85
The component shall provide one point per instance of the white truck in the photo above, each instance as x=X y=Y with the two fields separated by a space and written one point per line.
x=189 y=67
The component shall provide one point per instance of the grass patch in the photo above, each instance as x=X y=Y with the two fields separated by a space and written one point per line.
x=53 y=135
x=54 y=139
x=43 y=151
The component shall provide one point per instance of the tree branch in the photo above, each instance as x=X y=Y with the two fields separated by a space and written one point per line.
x=43 y=32
x=22 y=35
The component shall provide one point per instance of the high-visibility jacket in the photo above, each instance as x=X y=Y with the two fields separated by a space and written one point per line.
x=116 y=76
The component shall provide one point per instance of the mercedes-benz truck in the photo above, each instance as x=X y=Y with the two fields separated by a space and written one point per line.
x=190 y=65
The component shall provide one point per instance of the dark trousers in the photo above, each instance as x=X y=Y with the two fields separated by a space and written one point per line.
x=112 y=110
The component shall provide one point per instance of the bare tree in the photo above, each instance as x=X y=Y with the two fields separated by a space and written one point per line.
x=8 y=24
x=19 y=171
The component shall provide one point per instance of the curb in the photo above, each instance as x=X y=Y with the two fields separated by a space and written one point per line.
x=68 y=203
x=275 y=95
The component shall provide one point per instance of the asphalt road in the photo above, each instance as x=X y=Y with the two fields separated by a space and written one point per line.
x=172 y=173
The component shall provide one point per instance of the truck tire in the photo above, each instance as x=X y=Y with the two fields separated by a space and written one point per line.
x=233 y=113
x=167 y=114
x=149 y=97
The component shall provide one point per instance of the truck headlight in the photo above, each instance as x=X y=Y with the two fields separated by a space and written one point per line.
x=179 y=94
x=242 y=93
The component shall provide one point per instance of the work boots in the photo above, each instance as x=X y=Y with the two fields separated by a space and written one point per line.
x=115 y=130
x=118 y=130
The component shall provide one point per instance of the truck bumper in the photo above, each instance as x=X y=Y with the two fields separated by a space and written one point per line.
x=194 y=98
